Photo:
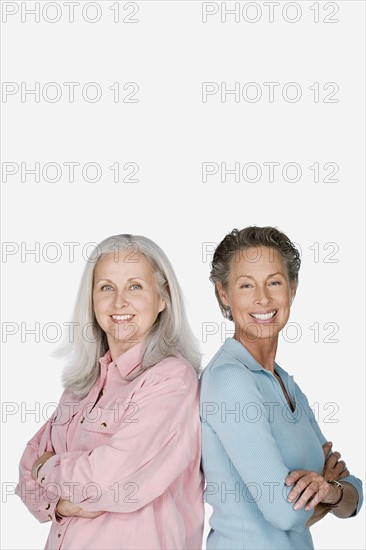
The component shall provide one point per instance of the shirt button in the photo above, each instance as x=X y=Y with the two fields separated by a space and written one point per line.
x=49 y=516
x=55 y=418
x=59 y=535
x=42 y=480
x=103 y=425
x=82 y=420
x=48 y=506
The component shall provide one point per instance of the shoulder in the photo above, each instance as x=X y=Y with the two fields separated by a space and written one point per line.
x=68 y=396
x=175 y=369
x=224 y=374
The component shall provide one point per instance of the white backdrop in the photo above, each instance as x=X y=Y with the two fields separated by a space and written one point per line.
x=210 y=119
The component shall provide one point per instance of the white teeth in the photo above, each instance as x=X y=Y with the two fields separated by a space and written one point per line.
x=263 y=316
x=122 y=317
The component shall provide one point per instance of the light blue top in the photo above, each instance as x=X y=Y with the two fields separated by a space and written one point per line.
x=251 y=440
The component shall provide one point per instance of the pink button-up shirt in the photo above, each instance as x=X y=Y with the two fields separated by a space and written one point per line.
x=134 y=453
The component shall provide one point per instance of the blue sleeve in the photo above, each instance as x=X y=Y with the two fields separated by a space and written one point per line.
x=355 y=481
x=250 y=444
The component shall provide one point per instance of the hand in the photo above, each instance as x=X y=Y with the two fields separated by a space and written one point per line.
x=333 y=467
x=67 y=509
x=40 y=460
x=320 y=511
x=310 y=489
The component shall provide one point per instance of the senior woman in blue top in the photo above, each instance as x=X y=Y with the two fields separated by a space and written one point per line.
x=269 y=470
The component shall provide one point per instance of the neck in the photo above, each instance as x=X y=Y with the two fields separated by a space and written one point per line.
x=263 y=351
x=117 y=349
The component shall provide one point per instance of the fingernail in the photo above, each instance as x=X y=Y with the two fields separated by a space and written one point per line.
x=296 y=506
x=307 y=508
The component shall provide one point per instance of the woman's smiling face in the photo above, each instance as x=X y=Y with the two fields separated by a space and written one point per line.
x=258 y=293
x=126 y=299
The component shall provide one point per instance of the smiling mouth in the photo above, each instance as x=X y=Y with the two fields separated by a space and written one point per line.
x=264 y=316
x=126 y=317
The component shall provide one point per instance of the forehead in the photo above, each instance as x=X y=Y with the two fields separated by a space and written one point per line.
x=123 y=263
x=257 y=260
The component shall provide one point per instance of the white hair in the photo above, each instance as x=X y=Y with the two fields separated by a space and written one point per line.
x=170 y=335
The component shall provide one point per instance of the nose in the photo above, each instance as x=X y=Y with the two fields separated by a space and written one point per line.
x=120 y=300
x=262 y=296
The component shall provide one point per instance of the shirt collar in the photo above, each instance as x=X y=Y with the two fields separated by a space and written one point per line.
x=127 y=362
x=237 y=350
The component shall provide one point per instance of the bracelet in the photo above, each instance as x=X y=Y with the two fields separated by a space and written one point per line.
x=336 y=484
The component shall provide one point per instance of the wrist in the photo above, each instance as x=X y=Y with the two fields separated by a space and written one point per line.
x=338 y=494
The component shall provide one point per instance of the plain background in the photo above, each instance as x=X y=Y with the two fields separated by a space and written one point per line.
x=169 y=132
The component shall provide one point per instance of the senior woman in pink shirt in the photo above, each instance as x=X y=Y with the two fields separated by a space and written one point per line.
x=117 y=466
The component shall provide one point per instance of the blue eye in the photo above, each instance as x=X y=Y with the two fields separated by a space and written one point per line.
x=136 y=286
x=275 y=283
x=245 y=285
x=106 y=287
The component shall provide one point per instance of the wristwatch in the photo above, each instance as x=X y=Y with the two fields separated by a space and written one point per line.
x=335 y=484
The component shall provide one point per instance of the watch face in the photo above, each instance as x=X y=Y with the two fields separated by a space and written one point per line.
x=336 y=483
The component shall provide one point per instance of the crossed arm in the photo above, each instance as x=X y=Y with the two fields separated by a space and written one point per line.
x=156 y=448
x=316 y=491
x=310 y=495
x=64 y=507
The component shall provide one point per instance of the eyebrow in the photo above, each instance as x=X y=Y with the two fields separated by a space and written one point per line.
x=268 y=277
x=109 y=280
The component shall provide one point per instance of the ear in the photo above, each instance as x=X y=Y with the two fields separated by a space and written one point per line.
x=222 y=293
x=292 y=293
x=162 y=305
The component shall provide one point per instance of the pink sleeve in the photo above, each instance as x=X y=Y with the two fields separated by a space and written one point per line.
x=40 y=501
x=142 y=458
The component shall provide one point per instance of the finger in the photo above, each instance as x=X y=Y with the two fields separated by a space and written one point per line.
x=333 y=458
x=333 y=466
x=345 y=473
x=318 y=497
x=330 y=462
x=300 y=487
x=67 y=508
x=312 y=480
x=327 y=447
x=84 y=514
x=91 y=515
x=294 y=476
x=309 y=493
x=314 y=501
x=339 y=467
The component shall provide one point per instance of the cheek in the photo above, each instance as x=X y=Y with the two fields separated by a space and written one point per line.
x=95 y=305
x=153 y=304
x=285 y=300
x=239 y=301
x=99 y=305
x=285 y=310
